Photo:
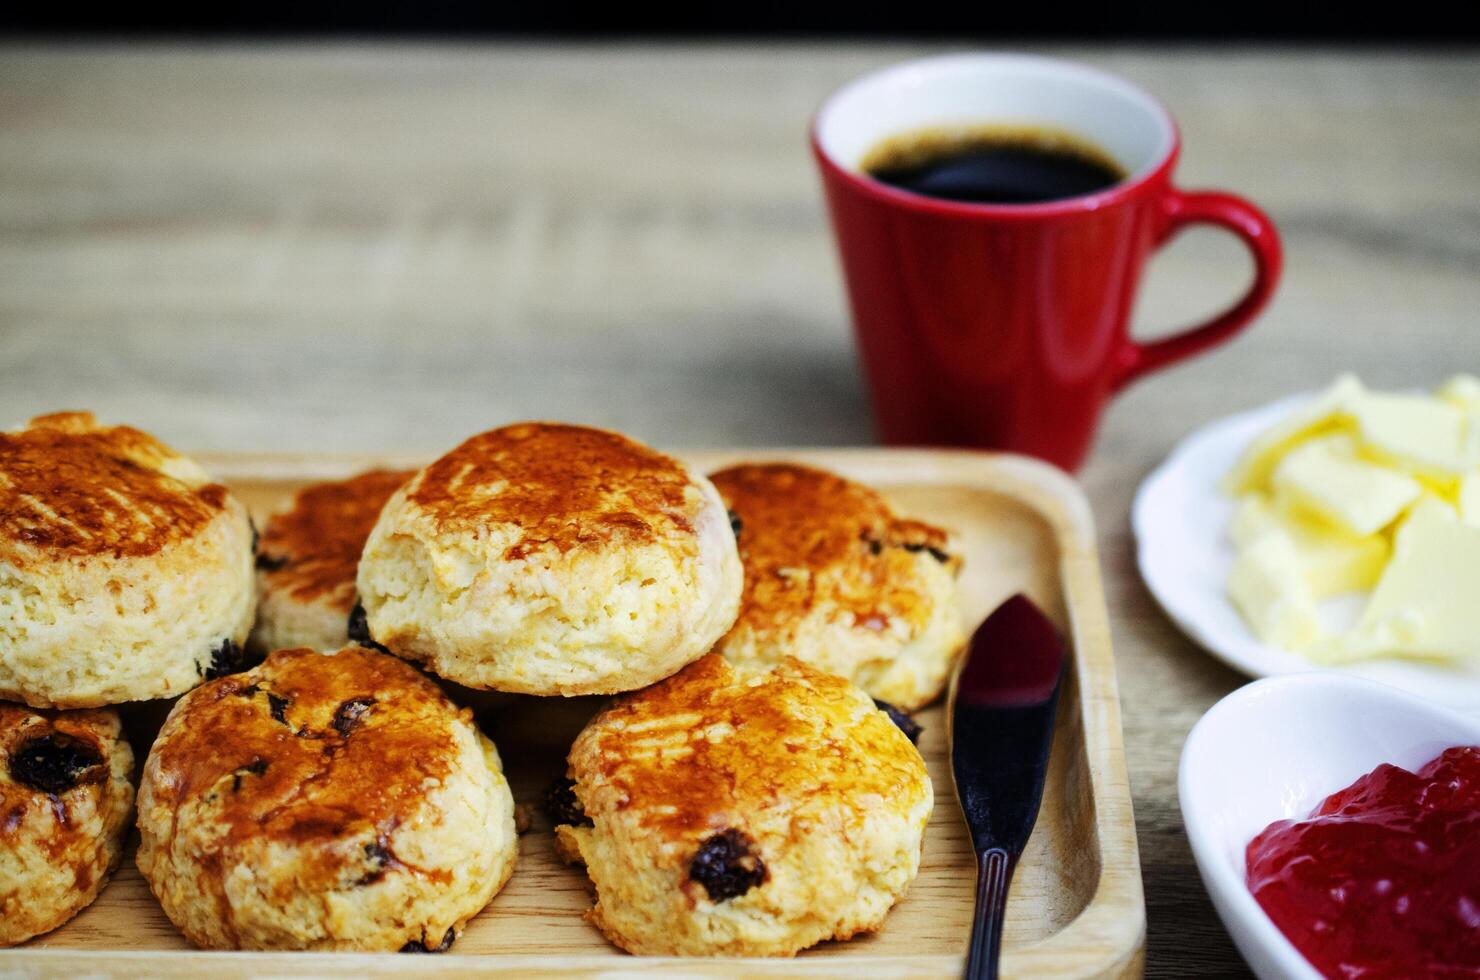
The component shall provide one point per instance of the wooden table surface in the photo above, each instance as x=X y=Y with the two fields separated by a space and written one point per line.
x=390 y=247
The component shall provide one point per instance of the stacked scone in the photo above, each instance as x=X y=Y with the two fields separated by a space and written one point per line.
x=551 y=559
x=835 y=578
x=307 y=559
x=741 y=811
x=324 y=801
x=333 y=797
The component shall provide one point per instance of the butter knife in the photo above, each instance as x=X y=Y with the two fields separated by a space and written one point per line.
x=1001 y=727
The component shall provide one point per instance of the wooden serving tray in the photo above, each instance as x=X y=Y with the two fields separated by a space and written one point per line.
x=1076 y=906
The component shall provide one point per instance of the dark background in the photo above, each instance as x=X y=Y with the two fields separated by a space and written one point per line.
x=1201 y=20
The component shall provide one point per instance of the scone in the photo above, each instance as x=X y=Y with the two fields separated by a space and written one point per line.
x=307 y=558
x=329 y=801
x=551 y=559
x=834 y=578
x=125 y=573
x=745 y=812
x=65 y=797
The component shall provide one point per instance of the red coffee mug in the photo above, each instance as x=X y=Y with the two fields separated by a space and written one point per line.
x=1007 y=326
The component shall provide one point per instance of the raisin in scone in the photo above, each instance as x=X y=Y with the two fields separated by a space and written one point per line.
x=834 y=578
x=65 y=798
x=744 y=812
x=308 y=556
x=125 y=572
x=551 y=559
x=324 y=801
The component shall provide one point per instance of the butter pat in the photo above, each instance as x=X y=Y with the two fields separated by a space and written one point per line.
x=1326 y=477
x=1462 y=391
x=1253 y=517
x=1334 y=564
x=1331 y=561
x=1469 y=500
x=1418 y=433
x=1427 y=603
x=1329 y=412
x=1266 y=585
x=1437 y=502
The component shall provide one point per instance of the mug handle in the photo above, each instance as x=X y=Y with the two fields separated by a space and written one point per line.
x=1178 y=210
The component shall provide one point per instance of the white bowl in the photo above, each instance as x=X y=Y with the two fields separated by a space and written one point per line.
x=1273 y=750
x=1181 y=518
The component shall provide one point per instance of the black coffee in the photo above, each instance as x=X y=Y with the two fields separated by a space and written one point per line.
x=993 y=165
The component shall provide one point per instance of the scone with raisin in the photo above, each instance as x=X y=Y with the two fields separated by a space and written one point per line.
x=307 y=559
x=125 y=573
x=324 y=801
x=551 y=559
x=65 y=798
x=835 y=578
x=734 y=811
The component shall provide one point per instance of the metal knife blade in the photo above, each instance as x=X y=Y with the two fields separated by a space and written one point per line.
x=1001 y=728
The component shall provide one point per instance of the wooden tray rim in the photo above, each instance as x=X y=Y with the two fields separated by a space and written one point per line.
x=1106 y=939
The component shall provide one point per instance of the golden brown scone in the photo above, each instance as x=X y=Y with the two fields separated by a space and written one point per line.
x=65 y=797
x=125 y=573
x=551 y=559
x=307 y=558
x=834 y=578
x=324 y=801
x=745 y=812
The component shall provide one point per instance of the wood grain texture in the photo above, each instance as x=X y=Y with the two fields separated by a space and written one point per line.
x=375 y=247
x=1076 y=907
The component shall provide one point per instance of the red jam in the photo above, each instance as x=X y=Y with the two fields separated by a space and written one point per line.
x=1383 y=879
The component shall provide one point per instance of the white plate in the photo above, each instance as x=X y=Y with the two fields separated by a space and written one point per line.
x=1180 y=519
x=1273 y=750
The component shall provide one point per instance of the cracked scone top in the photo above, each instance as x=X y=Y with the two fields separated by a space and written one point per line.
x=324 y=801
x=551 y=559
x=834 y=578
x=745 y=812
x=308 y=557
x=65 y=798
x=125 y=572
